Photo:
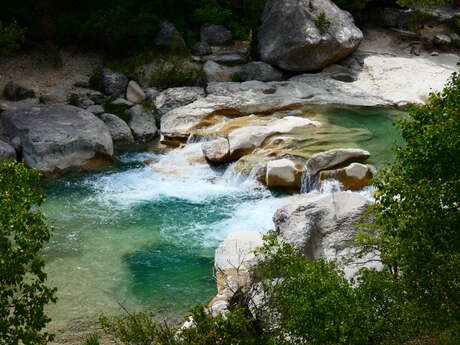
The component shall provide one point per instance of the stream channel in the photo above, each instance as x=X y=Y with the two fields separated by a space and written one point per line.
x=144 y=236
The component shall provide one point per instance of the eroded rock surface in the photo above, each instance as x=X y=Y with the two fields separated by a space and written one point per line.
x=325 y=227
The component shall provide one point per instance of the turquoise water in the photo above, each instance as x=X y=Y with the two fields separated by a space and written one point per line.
x=144 y=236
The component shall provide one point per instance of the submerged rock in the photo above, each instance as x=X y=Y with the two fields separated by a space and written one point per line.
x=244 y=140
x=325 y=227
x=59 y=138
x=306 y=35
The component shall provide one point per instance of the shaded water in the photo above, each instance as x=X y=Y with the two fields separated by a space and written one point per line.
x=144 y=237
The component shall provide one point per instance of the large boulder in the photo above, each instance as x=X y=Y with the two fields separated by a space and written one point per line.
x=258 y=70
x=333 y=158
x=6 y=151
x=15 y=92
x=177 y=97
x=169 y=38
x=119 y=130
x=306 y=35
x=215 y=35
x=325 y=227
x=284 y=174
x=59 y=138
x=356 y=176
x=142 y=123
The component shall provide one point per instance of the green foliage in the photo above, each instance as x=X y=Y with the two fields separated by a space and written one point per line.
x=95 y=80
x=418 y=212
x=141 y=329
x=120 y=110
x=92 y=339
x=23 y=232
x=11 y=37
x=149 y=105
x=74 y=99
x=137 y=329
x=314 y=304
x=173 y=72
x=423 y=2
x=233 y=329
x=322 y=23
x=211 y=12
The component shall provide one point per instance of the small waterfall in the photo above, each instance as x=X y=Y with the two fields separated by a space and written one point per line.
x=309 y=181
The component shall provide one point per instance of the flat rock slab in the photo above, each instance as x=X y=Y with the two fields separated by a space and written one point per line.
x=59 y=138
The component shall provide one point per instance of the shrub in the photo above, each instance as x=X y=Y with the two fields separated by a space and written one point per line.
x=95 y=80
x=74 y=99
x=120 y=110
x=11 y=37
x=23 y=233
x=314 y=304
x=417 y=211
x=211 y=12
x=141 y=329
x=322 y=23
x=92 y=339
x=174 y=72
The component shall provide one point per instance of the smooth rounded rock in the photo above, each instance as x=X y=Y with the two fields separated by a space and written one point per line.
x=134 y=93
x=306 y=35
x=119 y=129
x=59 y=138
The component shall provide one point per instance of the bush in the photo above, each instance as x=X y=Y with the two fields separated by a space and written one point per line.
x=120 y=110
x=23 y=233
x=74 y=99
x=174 y=72
x=314 y=304
x=417 y=211
x=141 y=329
x=11 y=37
x=322 y=23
